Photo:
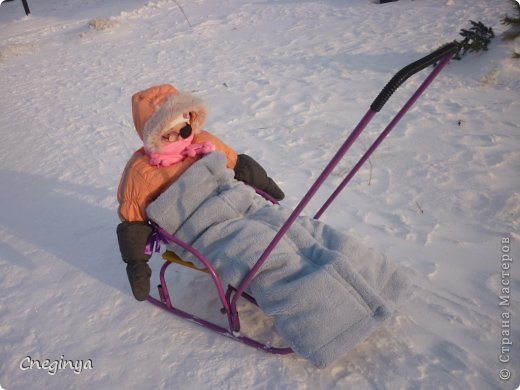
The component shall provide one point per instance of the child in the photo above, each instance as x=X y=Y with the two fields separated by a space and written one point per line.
x=170 y=123
x=325 y=291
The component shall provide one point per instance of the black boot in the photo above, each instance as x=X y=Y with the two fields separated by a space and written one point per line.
x=139 y=277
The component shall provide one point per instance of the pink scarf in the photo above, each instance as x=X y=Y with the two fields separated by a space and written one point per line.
x=177 y=151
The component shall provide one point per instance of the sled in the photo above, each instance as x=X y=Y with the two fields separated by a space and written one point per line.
x=229 y=295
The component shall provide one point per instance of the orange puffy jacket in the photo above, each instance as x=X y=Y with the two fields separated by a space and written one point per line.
x=152 y=110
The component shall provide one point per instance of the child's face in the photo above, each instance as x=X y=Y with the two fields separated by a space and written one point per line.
x=180 y=131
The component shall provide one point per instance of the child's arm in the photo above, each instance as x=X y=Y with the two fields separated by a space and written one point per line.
x=251 y=172
x=246 y=168
x=134 y=230
x=230 y=153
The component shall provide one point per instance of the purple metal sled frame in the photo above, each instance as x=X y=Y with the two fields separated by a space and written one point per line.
x=229 y=297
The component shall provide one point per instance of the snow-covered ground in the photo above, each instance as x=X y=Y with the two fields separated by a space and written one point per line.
x=286 y=81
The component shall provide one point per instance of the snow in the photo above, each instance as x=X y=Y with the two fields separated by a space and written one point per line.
x=286 y=81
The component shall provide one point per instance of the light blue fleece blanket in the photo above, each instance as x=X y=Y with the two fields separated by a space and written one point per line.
x=325 y=291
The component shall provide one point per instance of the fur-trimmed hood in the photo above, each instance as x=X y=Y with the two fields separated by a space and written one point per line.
x=155 y=108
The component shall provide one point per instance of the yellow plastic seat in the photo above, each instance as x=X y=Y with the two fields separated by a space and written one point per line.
x=173 y=258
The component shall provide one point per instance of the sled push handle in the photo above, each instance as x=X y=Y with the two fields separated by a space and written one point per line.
x=408 y=71
x=441 y=58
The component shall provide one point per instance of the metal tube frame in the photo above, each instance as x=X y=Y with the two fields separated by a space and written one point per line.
x=231 y=296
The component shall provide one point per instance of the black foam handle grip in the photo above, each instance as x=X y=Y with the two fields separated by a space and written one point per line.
x=401 y=76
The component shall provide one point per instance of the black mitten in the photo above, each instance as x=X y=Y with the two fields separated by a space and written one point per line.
x=132 y=238
x=251 y=172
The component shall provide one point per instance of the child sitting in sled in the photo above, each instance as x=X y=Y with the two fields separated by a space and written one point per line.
x=325 y=291
x=171 y=125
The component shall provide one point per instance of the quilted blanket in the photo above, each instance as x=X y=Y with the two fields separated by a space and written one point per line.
x=325 y=291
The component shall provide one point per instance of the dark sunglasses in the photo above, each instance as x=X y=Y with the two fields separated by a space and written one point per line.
x=186 y=131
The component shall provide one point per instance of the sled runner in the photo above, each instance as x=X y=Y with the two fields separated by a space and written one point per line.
x=229 y=295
